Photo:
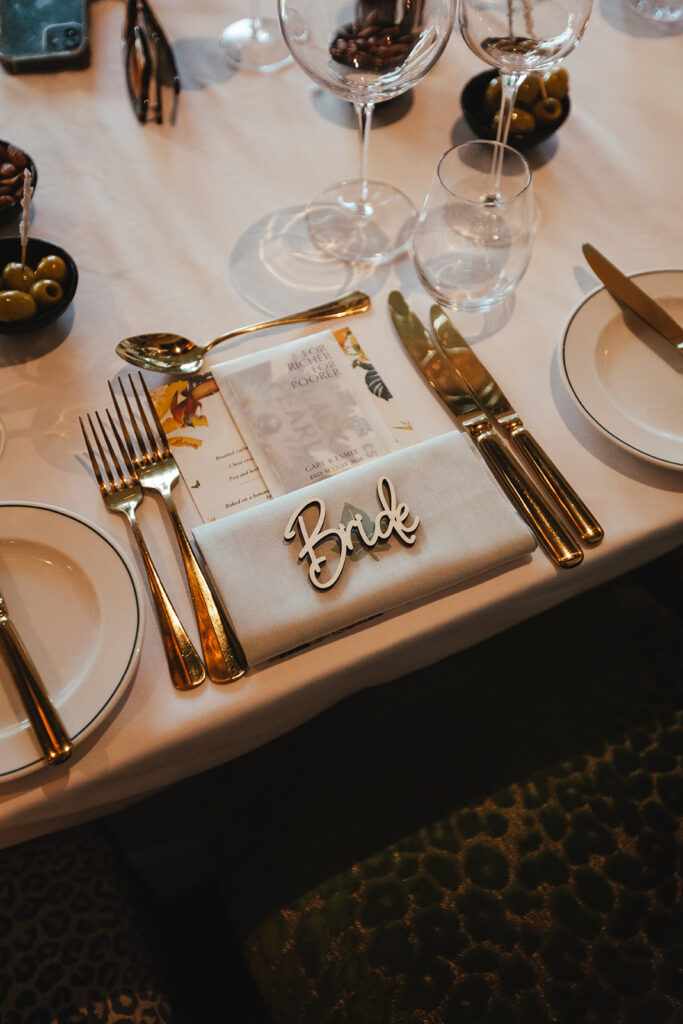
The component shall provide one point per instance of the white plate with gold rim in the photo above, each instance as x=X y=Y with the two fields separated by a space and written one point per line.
x=77 y=603
x=625 y=377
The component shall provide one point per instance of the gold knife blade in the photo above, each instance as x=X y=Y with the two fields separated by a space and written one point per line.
x=493 y=401
x=442 y=375
x=44 y=717
x=626 y=291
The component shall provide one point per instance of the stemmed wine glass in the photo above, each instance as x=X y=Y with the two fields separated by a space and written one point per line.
x=255 y=43
x=367 y=52
x=518 y=37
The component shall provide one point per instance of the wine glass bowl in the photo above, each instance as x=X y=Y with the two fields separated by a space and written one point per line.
x=372 y=56
x=365 y=53
x=518 y=36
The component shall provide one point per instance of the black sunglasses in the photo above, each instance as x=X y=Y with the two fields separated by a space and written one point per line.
x=149 y=61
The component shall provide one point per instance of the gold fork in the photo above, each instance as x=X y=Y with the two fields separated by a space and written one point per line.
x=158 y=471
x=122 y=493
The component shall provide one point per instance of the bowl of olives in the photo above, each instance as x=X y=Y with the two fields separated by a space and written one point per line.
x=34 y=294
x=13 y=162
x=542 y=106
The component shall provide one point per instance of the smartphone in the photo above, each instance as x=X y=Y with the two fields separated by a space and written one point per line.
x=43 y=35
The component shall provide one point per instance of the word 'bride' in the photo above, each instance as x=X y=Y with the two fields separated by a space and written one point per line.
x=391 y=518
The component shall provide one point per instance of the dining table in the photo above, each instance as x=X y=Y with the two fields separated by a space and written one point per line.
x=197 y=226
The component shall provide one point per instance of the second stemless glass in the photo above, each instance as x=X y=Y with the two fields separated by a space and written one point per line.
x=255 y=43
x=367 y=53
x=470 y=248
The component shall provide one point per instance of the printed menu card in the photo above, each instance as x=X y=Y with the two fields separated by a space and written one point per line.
x=271 y=422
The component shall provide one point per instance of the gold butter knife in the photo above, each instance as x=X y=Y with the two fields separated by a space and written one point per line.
x=493 y=402
x=443 y=376
x=626 y=291
x=48 y=726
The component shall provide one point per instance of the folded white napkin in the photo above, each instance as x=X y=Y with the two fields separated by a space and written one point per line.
x=466 y=526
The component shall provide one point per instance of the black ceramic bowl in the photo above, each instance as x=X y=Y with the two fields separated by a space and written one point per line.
x=479 y=119
x=10 y=211
x=10 y=252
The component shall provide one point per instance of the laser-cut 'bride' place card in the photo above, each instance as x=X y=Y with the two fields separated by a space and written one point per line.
x=280 y=419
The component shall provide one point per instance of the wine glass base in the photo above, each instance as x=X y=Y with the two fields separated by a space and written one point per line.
x=370 y=229
x=253 y=45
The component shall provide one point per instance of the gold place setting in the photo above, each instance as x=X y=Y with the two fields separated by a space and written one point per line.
x=210 y=533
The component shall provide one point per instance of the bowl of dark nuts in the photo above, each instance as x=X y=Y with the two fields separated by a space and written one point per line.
x=34 y=293
x=541 y=107
x=375 y=41
x=13 y=162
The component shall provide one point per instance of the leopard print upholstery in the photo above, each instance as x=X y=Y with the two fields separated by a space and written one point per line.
x=557 y=899
x=497 y=841
x=72 y=950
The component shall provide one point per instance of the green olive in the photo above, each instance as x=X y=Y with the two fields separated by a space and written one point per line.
x=521 y=122
x=46 y=292
x=16 y=305
x=18 y=277
x=492 y=97
x=557 y=83
x=528 y=91
x=52 y=267
x=548 y=111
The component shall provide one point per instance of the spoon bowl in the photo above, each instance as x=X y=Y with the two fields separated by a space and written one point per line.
x=171 y=353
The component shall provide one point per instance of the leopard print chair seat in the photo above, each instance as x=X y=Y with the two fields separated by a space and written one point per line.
x=72 y=947
x=498 y=840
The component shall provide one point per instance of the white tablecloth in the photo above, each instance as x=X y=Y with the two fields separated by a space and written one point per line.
x=197 y=228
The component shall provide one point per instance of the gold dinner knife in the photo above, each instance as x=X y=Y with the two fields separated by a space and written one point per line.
x=52 y=736
x=624 y=289
x=493 y=401
x=443 y=376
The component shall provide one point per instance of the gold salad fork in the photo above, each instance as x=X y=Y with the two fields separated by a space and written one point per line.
x=122 y=493
x=158 y=471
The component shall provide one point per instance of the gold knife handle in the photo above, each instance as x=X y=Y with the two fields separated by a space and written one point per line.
x=555 y=540
x=589 y=529
x=52 y=736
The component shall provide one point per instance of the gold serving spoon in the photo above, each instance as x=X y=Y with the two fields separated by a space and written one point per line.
x=171 y=353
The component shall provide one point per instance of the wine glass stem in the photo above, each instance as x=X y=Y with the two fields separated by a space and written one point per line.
x=256 y=16
x=364 y=112
x=509 y=83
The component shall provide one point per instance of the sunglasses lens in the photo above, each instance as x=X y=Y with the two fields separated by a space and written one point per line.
x=137 y=69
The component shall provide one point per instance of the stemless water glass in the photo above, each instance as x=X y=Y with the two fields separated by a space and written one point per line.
x=255 y=43
x=365 y=52
x=471 y=248
x=518 y=37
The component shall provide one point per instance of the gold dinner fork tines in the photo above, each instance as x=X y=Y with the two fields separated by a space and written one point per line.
x=122 y=493
x=157 y=471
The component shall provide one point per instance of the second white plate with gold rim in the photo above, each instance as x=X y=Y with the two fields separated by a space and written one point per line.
x=77 y=603
x=625 y=377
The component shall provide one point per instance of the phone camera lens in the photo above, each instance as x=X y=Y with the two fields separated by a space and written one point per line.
x=72 y=38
